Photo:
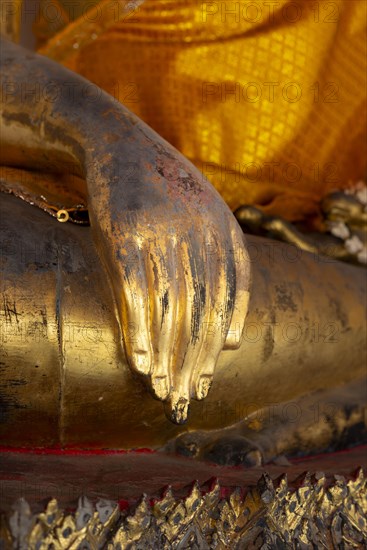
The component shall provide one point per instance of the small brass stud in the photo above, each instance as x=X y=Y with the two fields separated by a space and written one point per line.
x=62 y=216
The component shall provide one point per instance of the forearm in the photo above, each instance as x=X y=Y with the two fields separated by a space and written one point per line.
x=52 y=119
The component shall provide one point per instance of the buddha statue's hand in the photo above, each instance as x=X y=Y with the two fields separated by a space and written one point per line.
x=173 y=250
x=179 y=269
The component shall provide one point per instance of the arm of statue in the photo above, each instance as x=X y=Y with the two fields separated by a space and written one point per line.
x=174 y=254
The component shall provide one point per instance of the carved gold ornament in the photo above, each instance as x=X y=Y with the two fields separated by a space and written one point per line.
x=315 y=514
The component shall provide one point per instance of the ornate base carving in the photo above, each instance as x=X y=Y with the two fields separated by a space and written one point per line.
x=312 y=513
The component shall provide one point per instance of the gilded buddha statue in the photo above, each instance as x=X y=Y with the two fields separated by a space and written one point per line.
x=112 y=332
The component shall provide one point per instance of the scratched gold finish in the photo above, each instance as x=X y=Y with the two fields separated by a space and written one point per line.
x=165 y=237
x=67 y=381
x=164 y=264
x=315 y=514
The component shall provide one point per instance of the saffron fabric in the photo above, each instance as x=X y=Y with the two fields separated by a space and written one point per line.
x=267 y=98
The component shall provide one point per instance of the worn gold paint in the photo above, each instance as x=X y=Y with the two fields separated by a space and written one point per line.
x=165 y=237
x=167 y=268
x=305 y=323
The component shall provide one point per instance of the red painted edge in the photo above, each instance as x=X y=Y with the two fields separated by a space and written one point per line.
x=74 y=451
x=71 y=451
